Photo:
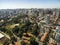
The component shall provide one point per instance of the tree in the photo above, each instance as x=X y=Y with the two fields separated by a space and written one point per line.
x=32 y=41
x=15 y=30
x=35 y=29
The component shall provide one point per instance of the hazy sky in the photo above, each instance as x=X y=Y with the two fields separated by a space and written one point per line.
x=11 y=4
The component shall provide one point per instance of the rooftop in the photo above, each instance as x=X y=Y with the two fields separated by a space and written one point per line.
x=1 y=35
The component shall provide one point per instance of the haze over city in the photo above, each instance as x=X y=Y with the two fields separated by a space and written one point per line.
x=13 y=4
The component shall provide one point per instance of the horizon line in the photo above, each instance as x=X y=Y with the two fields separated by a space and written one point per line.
x=29 y=8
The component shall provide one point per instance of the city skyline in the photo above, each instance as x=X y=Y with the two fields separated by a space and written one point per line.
x=13 y=4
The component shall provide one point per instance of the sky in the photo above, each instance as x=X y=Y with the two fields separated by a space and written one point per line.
x=13 y=4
